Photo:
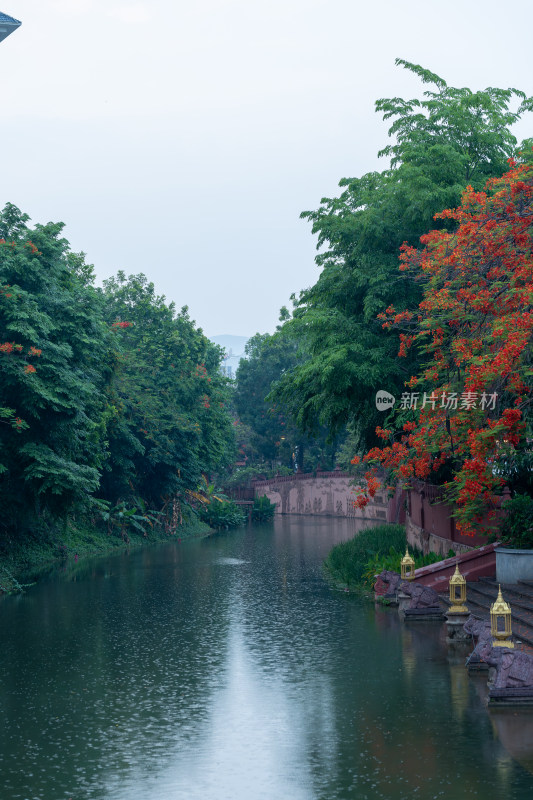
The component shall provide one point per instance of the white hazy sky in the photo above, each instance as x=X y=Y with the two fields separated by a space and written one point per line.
x=183 y=139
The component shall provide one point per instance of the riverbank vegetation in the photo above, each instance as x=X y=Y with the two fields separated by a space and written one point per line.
x=112 y=406
x=347 y=561
x=263 y=510
x=23 y=559
x=223 y=515
x=353 y=564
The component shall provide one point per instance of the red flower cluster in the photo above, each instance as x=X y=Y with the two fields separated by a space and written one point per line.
x=10 y=347
x=475 y=325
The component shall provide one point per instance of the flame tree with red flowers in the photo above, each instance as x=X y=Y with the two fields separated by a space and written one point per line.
x=468 y=407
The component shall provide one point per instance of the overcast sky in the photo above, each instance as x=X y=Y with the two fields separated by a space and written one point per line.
x=183 y=139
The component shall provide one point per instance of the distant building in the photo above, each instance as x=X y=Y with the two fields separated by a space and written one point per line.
x=234 y=347
x=229 y=364
x=7 y=25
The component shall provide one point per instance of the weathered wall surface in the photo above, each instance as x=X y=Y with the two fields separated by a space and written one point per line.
x=430 y=523
x=429 y=542
x=328 y=494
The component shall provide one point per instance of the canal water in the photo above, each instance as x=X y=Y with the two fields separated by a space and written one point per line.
x=227 y=669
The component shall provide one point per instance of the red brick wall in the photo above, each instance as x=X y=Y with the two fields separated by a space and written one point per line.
x=427 y=510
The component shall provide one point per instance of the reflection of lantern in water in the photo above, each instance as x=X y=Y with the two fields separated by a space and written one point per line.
x=500 y=622
x=459 y=687
x=407 y=567
x=457 y=593
x=515 y=732
x=504 y=771
x=408 y=653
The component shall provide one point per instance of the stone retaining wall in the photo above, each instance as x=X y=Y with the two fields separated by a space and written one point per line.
x=328 y=494
x=429 y=542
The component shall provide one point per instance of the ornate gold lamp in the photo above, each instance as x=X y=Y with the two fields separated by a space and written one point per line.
x=457 y=593
x=407 y=567
x=500 y=622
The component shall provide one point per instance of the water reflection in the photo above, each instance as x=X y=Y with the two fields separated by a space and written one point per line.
x=515 y=731
x=227 y=668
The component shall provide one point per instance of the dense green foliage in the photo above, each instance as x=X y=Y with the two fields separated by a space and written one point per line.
x=268 y=434
x=270 y=430
x=111 y=403
x=56 y=365
x=263 y=509
x=243 y=476
x=355 y=563
x=450 y=138
x=346 y=562
x=516 y=528
x=172 y=423
x=393 y=561
x=222 y=514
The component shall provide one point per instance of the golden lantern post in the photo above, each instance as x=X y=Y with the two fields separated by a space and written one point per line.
x=457 y=587
x=500 y=622
x=407 y=567
x=458 y=612
x=407 y=573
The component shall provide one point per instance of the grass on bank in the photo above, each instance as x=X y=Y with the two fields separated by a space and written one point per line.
x=21 y=560
x=353 y=564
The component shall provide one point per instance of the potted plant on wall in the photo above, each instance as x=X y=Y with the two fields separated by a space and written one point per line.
x=514 y=559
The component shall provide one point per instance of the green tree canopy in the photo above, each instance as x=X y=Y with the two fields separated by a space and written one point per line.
x=273 y=434
x=172 y=422
x=56 y=361
x=450 y=138
x=105 y=394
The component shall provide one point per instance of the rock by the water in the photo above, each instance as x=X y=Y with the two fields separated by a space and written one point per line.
x=421 y=596
x=513 y=669
x=387 y=582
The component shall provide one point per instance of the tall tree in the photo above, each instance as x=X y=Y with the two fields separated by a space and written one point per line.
x=274 y=436
x=449 y=138
x=474 y=328
x=55 y=360
x=171 y=422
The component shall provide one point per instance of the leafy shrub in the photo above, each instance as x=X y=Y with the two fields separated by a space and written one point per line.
x=515 y=466
x=354 y=563
x=263 y=509
x=122 y=519
x=516 y=528
x=222 y=515
x=392 y=562
x=347 y=561
x=245 y=475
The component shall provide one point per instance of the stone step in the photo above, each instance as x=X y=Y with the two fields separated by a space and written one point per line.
x=481 y=595
x=479 y=603
x=522 y=588
x=521 y=632
x=489 y=594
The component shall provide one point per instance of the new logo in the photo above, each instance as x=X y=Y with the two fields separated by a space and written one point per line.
x=384 y=400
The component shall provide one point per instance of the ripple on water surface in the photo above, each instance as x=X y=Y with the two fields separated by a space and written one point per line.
x=226 y=668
